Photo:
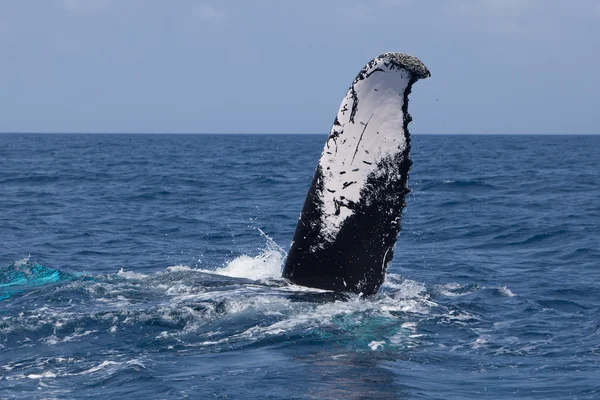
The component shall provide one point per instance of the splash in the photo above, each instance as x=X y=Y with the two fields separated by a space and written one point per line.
x=266 y=265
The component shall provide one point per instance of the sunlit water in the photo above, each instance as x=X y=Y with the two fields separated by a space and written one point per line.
x=147 y=266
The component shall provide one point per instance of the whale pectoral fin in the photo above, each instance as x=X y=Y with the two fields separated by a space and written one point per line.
x=350 y=221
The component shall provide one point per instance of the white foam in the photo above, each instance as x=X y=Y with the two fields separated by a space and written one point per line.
x=22 y=262
x=46 y=374
x=453 y=290
x=308 y=316
x=412 y=326
x=131 y=275
x=179 y=267
x=266 y=265
x=401 y=338
x=258 y=302
x=195 y=308
x=297 y=288
x=375 y=345
x=480 y=342
x=101 y=366
x=110 y=366
x=78 y=335
x=393 y=281
x=506 y=291
x=461 y=316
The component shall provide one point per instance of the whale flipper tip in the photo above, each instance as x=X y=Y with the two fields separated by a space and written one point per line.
x=408 y=62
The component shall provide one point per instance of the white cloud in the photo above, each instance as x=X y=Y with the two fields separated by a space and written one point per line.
x=86 y=5
x=206 y=12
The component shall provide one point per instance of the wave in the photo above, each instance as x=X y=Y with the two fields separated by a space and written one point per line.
x=469 y=185
x=96 y=328
x=239 y=304
x=540 y=237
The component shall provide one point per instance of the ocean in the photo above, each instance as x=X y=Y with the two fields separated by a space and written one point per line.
x=147 y=266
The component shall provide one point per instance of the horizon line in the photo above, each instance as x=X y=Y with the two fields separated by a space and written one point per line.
x=288 y=133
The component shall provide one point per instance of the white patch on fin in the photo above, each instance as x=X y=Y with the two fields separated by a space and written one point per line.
x=369 y=127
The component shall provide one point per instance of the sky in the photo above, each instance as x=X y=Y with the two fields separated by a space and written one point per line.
x=283 y=66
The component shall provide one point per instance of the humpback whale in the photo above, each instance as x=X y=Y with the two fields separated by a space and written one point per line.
x=347 y=230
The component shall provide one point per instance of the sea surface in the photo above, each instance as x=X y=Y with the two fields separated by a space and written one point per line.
x=147 y=266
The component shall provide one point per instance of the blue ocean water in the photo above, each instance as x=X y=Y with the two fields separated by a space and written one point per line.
x=147 y=266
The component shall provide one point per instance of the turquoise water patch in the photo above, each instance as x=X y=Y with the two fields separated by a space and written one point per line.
x=18 y=276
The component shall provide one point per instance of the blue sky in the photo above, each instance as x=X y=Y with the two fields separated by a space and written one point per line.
x=277 y=66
